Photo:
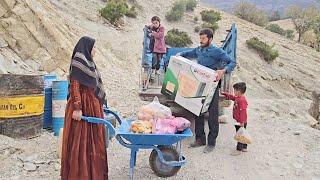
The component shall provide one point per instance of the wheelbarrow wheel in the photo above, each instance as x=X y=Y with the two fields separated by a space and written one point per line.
x=161 y=169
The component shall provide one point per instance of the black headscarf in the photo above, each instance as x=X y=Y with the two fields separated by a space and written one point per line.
x=84 y=69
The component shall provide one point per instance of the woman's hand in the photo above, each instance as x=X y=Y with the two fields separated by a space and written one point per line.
x=77 y=115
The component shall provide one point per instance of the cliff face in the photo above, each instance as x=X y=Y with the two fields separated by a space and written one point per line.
x=38 y=36
x=33 y=37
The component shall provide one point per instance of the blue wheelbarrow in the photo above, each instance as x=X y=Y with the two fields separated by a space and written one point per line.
x=165 y=159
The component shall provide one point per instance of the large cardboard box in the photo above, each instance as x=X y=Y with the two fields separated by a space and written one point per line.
x=189 y=84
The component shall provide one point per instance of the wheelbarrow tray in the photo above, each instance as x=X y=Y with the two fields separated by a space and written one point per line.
x=145 y=141
x=150 y=139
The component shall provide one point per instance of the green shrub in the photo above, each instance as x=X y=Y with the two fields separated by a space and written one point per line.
x=210 y=16
x=191 y=4
x=249 y=12
x=132 y=12
x=290 y=34
x=179 y=8
x=177 y=38
x=197 y=29
x=276 y=29
x=176 y=12
x=196 y=19
x=265 y=51
x=174 y=15
x=213 y=26
x=114 y=11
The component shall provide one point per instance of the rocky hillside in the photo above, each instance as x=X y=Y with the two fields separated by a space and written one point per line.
x=38 y=36
x=267 y=5
x=33 y=37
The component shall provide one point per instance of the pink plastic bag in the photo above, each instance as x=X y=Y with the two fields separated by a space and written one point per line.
x=163 y=126
x=181 y=123
x=170 y=126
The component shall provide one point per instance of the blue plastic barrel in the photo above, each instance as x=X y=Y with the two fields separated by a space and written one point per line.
x=171 y=52
x=59 y=102
x=47 y=119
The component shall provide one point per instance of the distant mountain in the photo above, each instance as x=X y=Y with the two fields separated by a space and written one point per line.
x=267 y=5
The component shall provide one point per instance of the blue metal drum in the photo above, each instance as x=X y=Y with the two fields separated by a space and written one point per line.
x=47 y=119
x=59 y=102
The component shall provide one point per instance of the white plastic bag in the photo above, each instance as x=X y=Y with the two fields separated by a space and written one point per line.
x=154 y=110
x=243 y=136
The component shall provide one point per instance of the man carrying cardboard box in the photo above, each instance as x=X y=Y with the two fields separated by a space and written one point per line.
x=217 y=59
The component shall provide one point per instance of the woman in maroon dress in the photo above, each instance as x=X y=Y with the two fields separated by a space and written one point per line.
x=84 y=155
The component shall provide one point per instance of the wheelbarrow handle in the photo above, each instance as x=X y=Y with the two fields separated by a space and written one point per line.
x=108 y=111
x=111 y=129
